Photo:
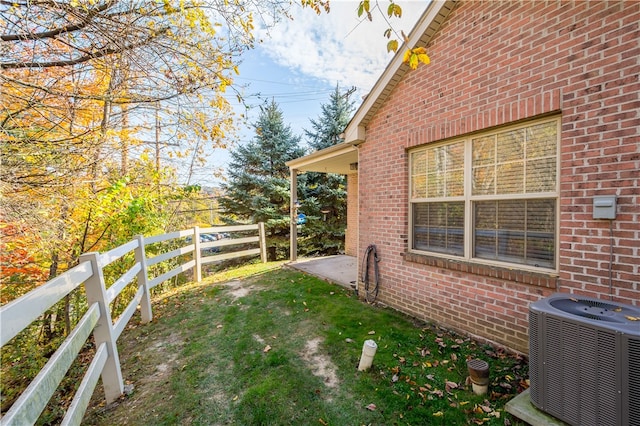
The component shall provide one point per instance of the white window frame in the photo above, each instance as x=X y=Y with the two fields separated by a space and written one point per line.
x=469 y=199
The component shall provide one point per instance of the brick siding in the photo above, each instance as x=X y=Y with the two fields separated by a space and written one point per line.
x=496 y=63
x=351 y=234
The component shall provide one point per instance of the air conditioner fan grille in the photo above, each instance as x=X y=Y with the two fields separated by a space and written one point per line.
x=594 y=310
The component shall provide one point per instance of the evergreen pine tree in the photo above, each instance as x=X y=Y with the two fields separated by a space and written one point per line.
x=258 y=186
x=323 y=195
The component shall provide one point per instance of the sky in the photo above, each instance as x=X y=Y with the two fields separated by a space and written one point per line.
x=300 y=61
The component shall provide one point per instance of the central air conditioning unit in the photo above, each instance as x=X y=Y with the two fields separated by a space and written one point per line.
x=584 y=360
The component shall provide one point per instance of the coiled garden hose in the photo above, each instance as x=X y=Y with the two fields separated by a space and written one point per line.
x=370 y=283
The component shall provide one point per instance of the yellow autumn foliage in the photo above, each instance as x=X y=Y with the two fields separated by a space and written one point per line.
x=415 y=56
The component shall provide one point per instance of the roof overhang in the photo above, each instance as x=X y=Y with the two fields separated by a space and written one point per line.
x=343 y=158
x=427 y=26
x=340 y=159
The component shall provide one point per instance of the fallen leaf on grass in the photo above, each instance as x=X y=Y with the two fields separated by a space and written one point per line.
x=481 y=409
x=322 y=422
x=497 y=395
x=266 y=349
x=437 y=392
x=438 y=414
x=371 y=407
x=450 y=385
x=371 y=332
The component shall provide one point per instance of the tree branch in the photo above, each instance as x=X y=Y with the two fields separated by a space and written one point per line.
x=79 y=60
x=62 y=30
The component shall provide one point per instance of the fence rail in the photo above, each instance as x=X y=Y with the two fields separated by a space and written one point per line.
x=97 y=320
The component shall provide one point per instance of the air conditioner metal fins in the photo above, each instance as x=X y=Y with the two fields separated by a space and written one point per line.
x=584 y=360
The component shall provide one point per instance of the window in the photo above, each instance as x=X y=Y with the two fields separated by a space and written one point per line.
x=490 y=197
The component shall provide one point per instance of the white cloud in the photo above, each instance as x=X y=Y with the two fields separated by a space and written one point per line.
x=339 y=46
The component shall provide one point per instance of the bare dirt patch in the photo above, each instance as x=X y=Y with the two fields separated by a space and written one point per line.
x=147 y=368
x=166 y=349
x=239 y=289
x=319 y=363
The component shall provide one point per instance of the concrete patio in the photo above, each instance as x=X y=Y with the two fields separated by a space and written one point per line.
x=338 y=269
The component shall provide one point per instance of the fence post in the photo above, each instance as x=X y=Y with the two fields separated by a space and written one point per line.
x=97 y=293
x=143 y=280
x=263 y=242
x=197 y=255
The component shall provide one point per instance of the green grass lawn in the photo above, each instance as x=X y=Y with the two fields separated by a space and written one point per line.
x=262 y=345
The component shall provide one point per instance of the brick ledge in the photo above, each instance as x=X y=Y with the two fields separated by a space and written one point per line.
x=519 y=276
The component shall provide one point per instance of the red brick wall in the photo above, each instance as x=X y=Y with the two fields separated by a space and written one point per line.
x=492 y=64
x=351 y=237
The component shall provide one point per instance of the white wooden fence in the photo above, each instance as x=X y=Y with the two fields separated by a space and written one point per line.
x=20 y=313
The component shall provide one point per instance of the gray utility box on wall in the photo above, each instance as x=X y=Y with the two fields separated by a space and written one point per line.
x=604 y=207
x=584 y=360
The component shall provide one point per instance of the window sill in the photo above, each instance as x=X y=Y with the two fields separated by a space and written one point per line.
x=539 y=279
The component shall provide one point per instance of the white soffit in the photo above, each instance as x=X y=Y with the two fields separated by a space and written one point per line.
x=340 y=159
